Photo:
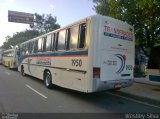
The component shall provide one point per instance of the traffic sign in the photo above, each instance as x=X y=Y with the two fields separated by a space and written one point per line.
x=20 y=17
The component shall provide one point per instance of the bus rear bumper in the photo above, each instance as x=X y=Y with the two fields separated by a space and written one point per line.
x=114 y=84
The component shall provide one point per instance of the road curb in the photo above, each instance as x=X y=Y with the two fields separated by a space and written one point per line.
x=146 y=81
x=139 y=98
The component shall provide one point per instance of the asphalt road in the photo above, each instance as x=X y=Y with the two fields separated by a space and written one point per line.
x=20 y=94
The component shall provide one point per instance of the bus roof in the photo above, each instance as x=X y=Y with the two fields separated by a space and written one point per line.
x=77 y=22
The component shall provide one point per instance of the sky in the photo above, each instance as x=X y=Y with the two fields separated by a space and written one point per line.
x=66 y=11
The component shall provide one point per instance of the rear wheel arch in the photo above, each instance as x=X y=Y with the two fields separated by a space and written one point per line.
x=45 y=71
x=47 y=78
x=22 y=70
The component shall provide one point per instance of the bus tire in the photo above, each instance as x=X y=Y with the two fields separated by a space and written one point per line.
x=22 y=71
x=48 y=80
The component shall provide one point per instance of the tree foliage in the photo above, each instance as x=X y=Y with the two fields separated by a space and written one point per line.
x=18 y=38
x=144 y=15
x=45 y=23
x=42 y=24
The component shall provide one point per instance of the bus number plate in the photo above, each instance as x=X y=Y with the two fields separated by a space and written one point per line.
x=117 y=86
x=77 y=62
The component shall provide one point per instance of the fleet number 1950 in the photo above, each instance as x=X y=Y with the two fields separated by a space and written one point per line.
x=77 y=62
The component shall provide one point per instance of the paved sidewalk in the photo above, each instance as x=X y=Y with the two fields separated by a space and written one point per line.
x=143 y=90
x=146 y=81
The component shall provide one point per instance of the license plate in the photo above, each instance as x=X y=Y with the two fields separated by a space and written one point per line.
x=117 y=85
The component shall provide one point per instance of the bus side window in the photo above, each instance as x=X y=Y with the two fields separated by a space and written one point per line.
x=27 y=48
x=53 y=37
x=30 y=47
x=22 y=50
x=74 y=37
x=44 y=44
x=61 y=40
x=56 y=41
x=68 y=35
x=48 y=43
x=7 y=54
x=36 y=46
x=40 y=45
x=82 y=35
x=12 y=53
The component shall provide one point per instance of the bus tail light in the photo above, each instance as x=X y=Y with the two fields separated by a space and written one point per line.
x=96 y=72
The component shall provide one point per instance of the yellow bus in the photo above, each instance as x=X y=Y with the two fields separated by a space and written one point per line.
x=9 y=58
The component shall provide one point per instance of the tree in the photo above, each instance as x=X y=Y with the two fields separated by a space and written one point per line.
x=102 y=7
x=42 y=24
x=45 y=23
x=18 y=38
x=144 y=15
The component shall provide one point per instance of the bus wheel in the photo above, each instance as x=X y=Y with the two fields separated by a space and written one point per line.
x=22 y=71
x=48 y=79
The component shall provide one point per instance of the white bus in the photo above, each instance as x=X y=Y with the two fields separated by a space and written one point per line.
x=9 y=58
x=93 y=54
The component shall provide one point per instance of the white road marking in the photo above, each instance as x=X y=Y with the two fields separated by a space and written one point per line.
x=130 y=99
x=7 y=73
x=36 y=91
